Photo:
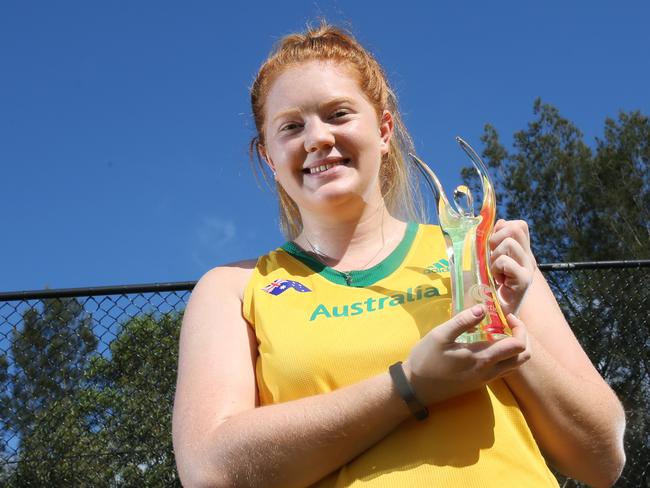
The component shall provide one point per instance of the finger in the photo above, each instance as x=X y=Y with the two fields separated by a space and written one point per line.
x=519 y=332
x=503 y=350
x=500 y=265
x=510 y=273
x=517 y=229
x=511 y=247
x=499 y=225
x=462 y=322
x=510 y=353
x=508 y=347
x=518 y=329
x=507 y=366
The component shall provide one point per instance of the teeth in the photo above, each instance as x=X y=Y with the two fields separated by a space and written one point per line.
x=324 y=167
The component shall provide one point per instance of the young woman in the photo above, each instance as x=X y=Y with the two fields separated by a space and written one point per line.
x=284 y=361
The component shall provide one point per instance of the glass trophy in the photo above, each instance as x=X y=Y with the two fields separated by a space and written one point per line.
x=466 y=236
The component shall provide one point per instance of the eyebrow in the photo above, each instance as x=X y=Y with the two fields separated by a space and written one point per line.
x=321 y=106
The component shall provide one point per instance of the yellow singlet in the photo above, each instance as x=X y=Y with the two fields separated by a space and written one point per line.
x=319 y=329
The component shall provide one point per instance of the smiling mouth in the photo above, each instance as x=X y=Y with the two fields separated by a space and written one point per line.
x=324 y=167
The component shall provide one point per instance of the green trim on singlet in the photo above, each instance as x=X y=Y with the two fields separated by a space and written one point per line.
x=364 y=277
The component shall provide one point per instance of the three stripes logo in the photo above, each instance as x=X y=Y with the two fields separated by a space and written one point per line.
x=440 y=266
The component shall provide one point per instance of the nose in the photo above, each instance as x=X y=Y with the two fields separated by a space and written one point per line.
x=318 y=135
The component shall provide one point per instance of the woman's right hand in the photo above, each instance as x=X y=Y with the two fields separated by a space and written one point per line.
x=440 y=368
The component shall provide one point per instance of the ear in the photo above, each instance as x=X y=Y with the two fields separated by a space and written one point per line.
x=261 y=150
x=386 y=131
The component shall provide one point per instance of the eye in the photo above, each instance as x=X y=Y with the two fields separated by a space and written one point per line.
x=339 y=113
x=289 y=126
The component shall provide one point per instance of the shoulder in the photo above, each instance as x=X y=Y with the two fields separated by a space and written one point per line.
x=237 y=269
x=230 y=279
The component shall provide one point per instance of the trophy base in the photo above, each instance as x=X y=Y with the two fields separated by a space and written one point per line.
x=472 y=337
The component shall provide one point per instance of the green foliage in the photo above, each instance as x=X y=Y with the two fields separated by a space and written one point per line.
x=46 y=355
x=581 y=203
x=589 y=204
x=619 y=185
x=112 y=425
x=45 y=368
x=137 y=385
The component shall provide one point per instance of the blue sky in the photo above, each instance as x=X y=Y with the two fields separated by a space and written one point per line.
x=124 y=125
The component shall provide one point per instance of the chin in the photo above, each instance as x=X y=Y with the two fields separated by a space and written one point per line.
x=334 y=194
x=332 y=199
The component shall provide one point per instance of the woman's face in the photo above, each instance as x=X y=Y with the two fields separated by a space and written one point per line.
x=323 y=137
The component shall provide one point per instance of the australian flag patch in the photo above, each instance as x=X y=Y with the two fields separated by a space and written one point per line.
x=280 y=286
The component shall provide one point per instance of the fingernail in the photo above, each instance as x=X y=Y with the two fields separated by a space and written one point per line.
x=478 y=310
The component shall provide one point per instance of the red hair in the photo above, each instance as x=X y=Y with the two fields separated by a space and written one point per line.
x=329 y=43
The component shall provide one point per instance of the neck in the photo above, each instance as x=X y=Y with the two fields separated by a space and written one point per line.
x=355 y=242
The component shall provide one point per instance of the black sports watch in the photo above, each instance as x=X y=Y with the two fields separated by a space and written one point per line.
x=406 y=391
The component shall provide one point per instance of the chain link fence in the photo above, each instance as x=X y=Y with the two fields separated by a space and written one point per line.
x=87 y=376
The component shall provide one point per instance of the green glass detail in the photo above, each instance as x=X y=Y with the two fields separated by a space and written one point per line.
x=466 y=232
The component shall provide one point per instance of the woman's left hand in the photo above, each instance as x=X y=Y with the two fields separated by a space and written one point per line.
x=512 y=262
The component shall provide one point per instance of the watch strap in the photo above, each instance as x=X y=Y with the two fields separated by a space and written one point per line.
x=405 y=390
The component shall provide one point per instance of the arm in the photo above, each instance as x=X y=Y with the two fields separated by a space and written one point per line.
x=576 y=418
x=574 y=415
x=222 y=439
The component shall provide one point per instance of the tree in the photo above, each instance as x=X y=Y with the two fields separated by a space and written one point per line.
x=581 y=204
x=136 y=387
x=111 y=424
x=585 y=204
x=46 y=366
x=114 y=429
